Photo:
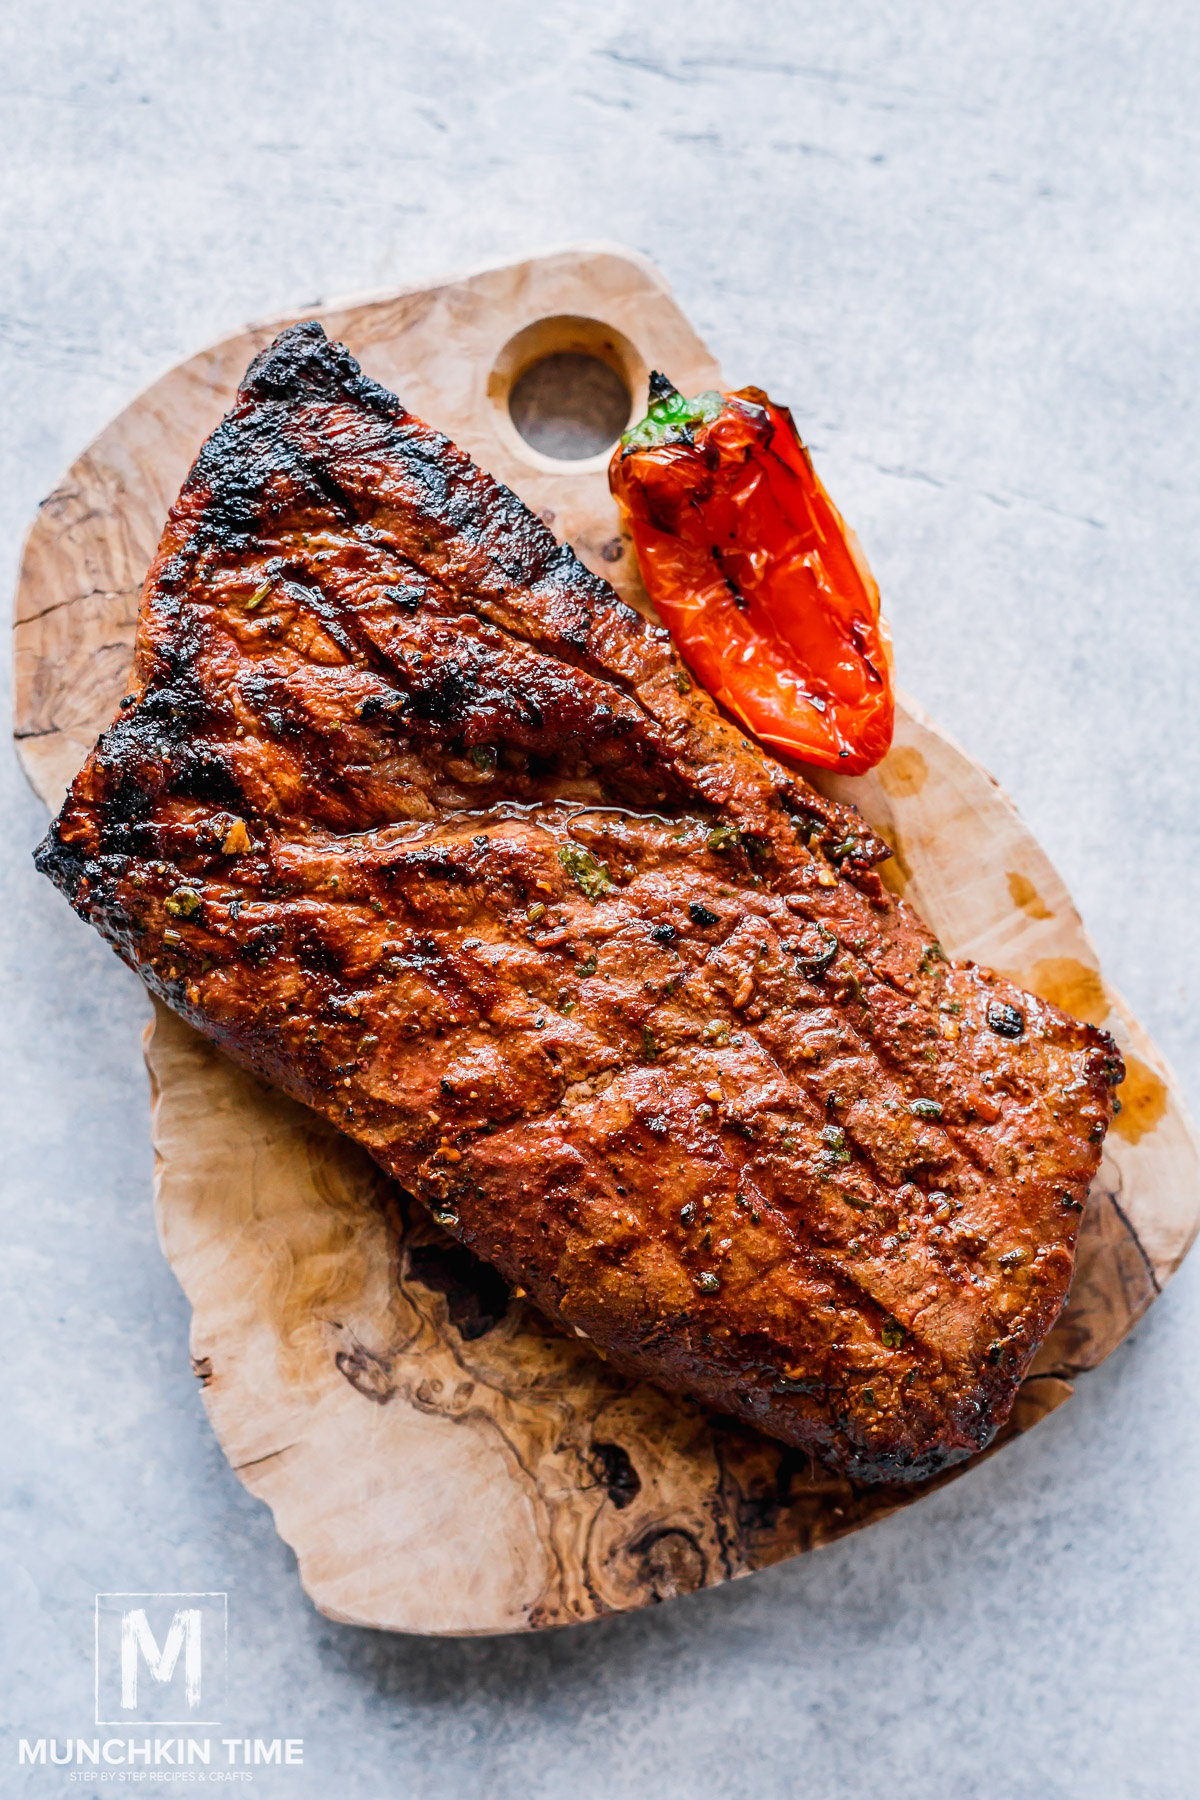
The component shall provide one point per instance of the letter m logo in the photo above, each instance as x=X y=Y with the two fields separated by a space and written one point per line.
x=138 y=1646
x=160 y=1658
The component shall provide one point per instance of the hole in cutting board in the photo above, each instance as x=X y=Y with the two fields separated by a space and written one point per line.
x=570 y=405
x=563 y=390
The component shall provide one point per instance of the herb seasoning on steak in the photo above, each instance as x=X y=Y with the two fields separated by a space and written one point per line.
x=412 y=816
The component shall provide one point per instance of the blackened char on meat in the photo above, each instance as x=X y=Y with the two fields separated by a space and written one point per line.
x=411 y=815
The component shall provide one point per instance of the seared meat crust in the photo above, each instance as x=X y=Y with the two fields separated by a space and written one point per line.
x=412 y=816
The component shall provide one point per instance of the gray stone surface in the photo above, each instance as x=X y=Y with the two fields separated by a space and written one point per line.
x=963 y=242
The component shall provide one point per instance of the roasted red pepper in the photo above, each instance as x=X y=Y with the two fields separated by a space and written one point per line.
x=762 y=585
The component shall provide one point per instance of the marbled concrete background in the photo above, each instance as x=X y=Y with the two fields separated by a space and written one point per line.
x=962 y=240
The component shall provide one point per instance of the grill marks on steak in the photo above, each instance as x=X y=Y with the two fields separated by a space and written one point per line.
x=412 y=816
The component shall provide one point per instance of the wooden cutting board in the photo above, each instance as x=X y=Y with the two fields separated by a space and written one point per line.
x=440 y=1459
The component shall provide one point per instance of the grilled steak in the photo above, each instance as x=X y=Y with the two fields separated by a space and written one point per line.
x=412 y=816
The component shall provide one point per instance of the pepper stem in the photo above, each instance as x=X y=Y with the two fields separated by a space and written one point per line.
x=661 y=387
